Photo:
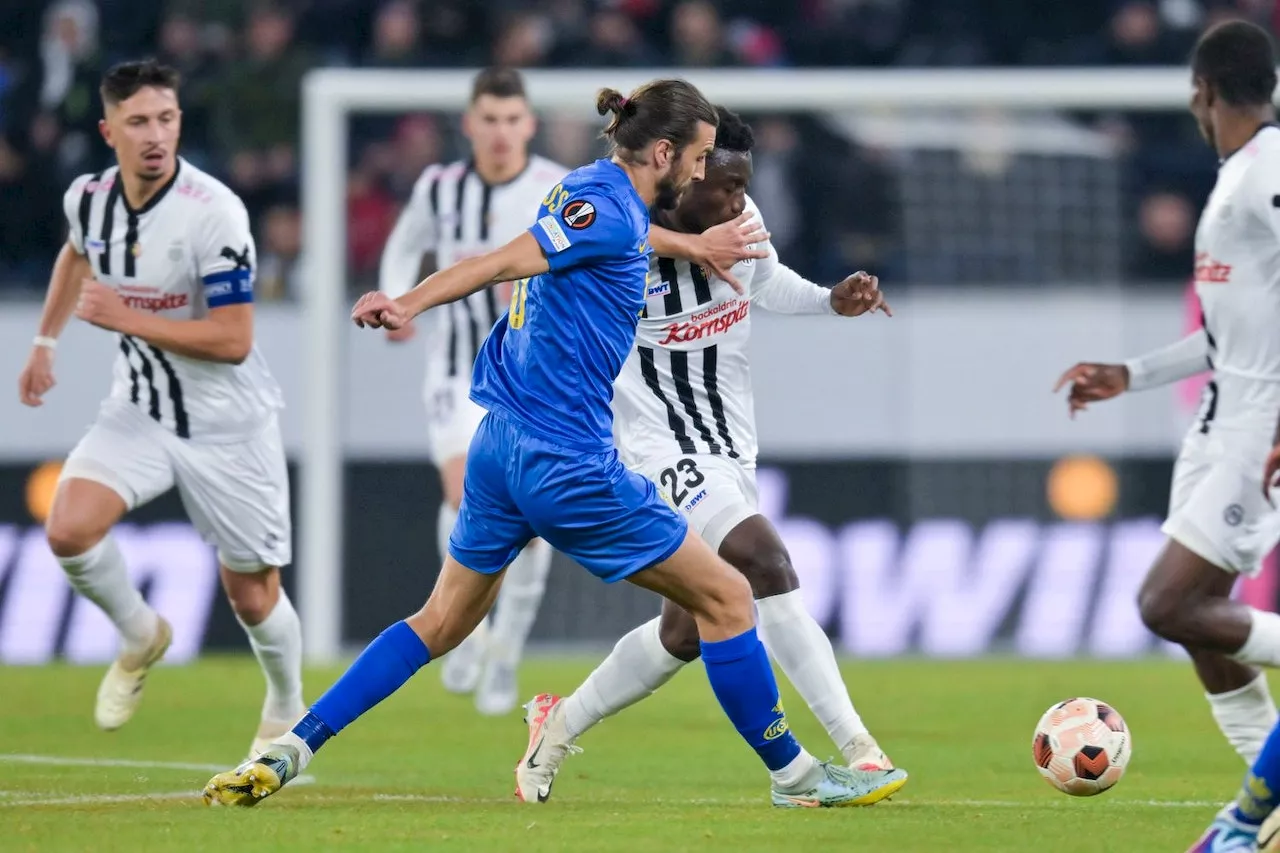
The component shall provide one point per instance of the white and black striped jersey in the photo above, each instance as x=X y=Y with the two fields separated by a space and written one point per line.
x=1237 y=277
x=186 y=251
x=455 y=214
x=686 y=387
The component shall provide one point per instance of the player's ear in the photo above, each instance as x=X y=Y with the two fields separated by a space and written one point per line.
x=466 y=124
x=663 y=153
x=105 y=129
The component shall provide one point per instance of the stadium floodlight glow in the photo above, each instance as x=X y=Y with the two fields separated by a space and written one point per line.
x=331 y=96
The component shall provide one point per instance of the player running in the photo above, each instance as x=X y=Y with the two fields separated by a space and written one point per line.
x=160 y=253
x=685 y=418
x=1220 y=525
x=543 y=462
x=458 y=211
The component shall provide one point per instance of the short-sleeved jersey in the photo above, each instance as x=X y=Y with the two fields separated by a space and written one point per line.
x=188 y=250
x=686 y=388
x=1237 y=276
x=453 y=213
x=551 y=360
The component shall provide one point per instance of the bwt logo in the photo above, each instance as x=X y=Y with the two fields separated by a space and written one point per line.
x=945 y=589
x=41 y=617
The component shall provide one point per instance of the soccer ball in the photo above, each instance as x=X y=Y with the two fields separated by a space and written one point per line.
x=1081 y=747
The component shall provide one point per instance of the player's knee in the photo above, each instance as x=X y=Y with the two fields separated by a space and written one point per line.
x=729 y=599
x=69 y=536
x=678 y=634
x=769 y=571
x=252 y=595
x=1163 y=611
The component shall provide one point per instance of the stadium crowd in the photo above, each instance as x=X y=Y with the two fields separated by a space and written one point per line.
x=833 y=203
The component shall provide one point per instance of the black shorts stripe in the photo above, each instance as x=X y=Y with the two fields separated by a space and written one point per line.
x=149 y=376
x=710 y=356
x=701 y=287
x=671 y=302
x=650 y=373
x=1210 y=407
x=86 y=206
x=108 y=225
x=684 y=390
x=133 y=371
x=181 y=425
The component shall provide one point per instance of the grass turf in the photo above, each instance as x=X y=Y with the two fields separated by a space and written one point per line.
x=423 y=771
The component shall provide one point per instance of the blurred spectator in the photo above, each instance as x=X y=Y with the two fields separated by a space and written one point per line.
x=279 y=254
x=396 y=33
x=69 y=74
x=371 y=214
x=30 y=213
x=257 y=105
x=697 y=36
x=182 y=46
x=524 y=42
x=613 y=39
x=1166 y=223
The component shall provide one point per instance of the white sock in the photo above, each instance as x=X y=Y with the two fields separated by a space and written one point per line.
x=1262 y=648
x=445 y=520
x=518 y=600
x=637 y=666
x=1245 y=716
x=100 y=575
x=304 y=752
x=803 y=651
x=804 y=772
x=277 y=643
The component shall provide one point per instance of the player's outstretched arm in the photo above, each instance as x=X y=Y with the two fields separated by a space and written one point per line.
x=1092 y=382
x=718 y=248
x=64 y=290
x=519 y=259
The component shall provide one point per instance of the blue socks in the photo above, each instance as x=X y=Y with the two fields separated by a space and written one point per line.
x=743 y=681
x=1261 y=792
x=387 y=663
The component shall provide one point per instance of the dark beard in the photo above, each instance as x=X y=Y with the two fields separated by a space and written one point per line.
x=668 y=197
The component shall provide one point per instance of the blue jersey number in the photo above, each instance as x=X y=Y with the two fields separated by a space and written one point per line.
x=519 y=295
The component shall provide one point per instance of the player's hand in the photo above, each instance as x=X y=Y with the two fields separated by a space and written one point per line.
x=37 y=377
x=1091 y=383
x=379 y=311
x=102 y=306
x=402 y=334
x=1271 y=474
x=723 y=245
x=859 y=294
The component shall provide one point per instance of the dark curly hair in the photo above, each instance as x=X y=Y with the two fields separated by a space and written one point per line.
x=1238 y=60
x=732 y=133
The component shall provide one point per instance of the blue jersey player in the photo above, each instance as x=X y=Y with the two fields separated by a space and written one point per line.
x=542 y=462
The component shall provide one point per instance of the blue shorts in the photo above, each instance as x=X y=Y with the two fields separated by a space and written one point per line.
x=586 y=505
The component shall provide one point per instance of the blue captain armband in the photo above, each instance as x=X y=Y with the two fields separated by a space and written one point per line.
x=231 y=287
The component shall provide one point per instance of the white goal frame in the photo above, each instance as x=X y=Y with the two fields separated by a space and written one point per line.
x=331 y=96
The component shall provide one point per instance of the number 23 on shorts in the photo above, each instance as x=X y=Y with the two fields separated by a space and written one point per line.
x=670 y=478
x=519 y=295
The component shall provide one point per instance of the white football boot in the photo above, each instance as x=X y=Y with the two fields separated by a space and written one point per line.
x=121 y=689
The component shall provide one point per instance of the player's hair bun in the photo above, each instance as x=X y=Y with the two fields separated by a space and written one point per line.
x=611 y=101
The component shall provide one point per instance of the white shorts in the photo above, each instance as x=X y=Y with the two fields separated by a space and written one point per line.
x=1216 y=507
x=715 y=493
x=236 y=495
x=452 y=419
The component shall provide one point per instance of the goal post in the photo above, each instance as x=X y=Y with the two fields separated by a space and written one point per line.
x=332 y=96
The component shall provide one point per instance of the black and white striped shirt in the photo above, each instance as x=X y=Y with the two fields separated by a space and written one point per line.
x=686 y=387
x=454 y=214
x=188 y=250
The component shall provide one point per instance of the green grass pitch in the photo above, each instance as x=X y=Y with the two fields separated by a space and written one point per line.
x=424 y=772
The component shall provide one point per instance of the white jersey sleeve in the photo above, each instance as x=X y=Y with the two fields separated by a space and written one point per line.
x=412 y=237
x=225 y=253
x=76 y=209
x=778 y=288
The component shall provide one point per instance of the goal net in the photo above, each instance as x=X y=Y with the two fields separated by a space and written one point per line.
x=989 y=176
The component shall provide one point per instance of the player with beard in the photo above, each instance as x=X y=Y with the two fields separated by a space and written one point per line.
x=543 y=461
x=684 y=418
